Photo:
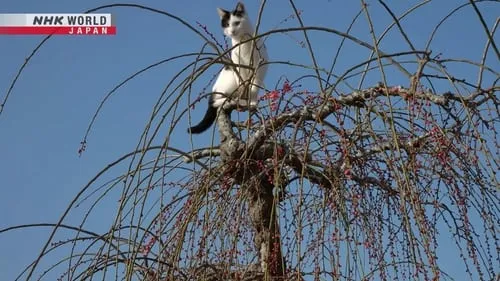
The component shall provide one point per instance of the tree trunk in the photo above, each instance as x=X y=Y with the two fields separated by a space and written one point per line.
x=261 y=202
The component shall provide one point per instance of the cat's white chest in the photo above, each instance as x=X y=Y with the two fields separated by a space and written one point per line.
x=249 y=54
x=241 y=55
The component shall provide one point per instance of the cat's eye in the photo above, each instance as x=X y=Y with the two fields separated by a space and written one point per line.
x=236 y=23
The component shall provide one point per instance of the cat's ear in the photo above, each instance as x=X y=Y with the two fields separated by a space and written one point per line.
x=222 y=13
x=240 y=8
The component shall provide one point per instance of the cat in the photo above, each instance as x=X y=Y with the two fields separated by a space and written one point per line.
x=237 y=26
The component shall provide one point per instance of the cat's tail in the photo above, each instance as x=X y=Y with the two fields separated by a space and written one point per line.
x=207 y=120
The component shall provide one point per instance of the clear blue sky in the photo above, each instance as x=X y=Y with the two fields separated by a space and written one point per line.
x=54 y=100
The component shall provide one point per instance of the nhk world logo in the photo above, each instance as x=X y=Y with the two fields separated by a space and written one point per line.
x=57 y=24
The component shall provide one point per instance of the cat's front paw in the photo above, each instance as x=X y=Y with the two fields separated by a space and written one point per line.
x=253 y=106
x=241 y=107
x=228 y=105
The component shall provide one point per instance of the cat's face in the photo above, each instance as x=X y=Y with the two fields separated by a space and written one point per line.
x=234 y=23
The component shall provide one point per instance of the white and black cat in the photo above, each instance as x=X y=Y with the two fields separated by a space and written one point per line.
x=238 y=27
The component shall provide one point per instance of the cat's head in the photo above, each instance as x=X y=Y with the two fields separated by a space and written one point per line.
x=235 y=23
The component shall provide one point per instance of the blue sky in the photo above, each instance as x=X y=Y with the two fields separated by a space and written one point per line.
x=53 y=102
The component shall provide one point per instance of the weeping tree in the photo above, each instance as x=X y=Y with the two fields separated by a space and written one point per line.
x=340 y=174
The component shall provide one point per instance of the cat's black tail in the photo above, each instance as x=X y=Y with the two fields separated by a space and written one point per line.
x=207 y=120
